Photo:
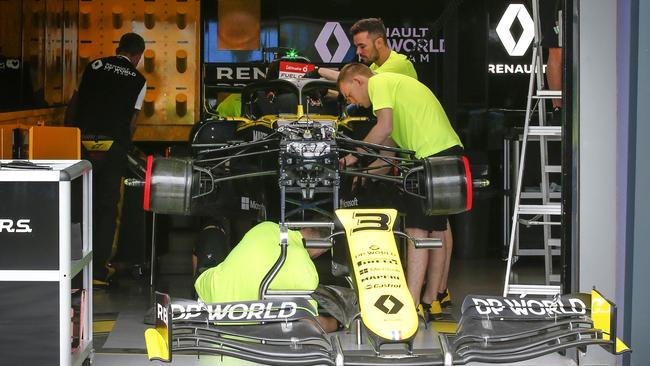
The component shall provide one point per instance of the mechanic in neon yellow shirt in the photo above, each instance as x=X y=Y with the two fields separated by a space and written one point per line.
x=396 y=63
x=411 y=117
x=407 y=111
x=230 y=106
x=238 y=274
x=369 y=38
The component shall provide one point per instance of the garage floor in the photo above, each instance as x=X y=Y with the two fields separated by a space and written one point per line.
x=119 y=312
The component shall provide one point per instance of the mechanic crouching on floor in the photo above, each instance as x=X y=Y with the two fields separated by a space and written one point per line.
x=236 y=276
x=105 y=108
x=411 y=117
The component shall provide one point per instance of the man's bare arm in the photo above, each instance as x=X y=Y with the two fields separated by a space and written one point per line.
x=379 y=162
x=328 y=74
x=377 y=135
x=382 y=130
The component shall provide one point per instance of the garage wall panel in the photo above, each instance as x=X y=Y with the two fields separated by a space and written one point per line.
x=170 y=63
x=598 y=146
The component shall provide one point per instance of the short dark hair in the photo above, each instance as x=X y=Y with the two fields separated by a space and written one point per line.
x=374 y=26
x=131 y=43
x=352 y=69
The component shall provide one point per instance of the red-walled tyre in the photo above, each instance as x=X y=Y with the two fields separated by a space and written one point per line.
x=169 y=184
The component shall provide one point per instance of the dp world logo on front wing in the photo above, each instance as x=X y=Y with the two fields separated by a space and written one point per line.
x=329 y=29
x=519 y=12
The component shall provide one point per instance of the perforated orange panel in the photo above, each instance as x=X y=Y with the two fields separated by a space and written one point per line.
x=10 y=43
x=170 y=63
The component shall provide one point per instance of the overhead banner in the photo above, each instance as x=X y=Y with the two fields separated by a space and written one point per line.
x=475 y=54
x=417 y=43
x=233 y=74
x=330 y=42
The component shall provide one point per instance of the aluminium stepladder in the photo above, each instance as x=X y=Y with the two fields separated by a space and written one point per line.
x=547 y=213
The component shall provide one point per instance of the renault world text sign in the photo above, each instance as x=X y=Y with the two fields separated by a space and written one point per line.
x=417 y=43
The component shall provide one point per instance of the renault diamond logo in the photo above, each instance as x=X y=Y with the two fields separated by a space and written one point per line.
x=516 y=11
x=325 y=35
x=395 y=305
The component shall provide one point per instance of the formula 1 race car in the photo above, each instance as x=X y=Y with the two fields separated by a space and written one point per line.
x=300 y=153
x=281 y=327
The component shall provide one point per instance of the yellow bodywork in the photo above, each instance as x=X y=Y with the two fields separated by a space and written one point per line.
x=157 y=345
x=603 y=316
x=100 y=145
x=269 y=121
x=386 y=304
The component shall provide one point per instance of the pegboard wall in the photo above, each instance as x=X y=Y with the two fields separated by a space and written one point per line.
x=170 y=63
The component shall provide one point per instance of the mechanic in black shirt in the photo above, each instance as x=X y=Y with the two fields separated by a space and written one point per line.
x=105 y=108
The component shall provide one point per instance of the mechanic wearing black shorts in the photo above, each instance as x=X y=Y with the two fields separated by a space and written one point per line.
x=411 y=117
x=412 y=205
x=105 y=108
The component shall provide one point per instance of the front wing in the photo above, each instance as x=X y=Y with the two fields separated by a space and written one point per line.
x=491 y=329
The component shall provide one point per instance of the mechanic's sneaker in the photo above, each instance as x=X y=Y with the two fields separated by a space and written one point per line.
x=105 y=284
x=423 y=312
x=429 y=312
x=435 y=310
x=100 y=283
x=103 y=276
x=444 y=298
x=556 y=117
x=110 y=270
